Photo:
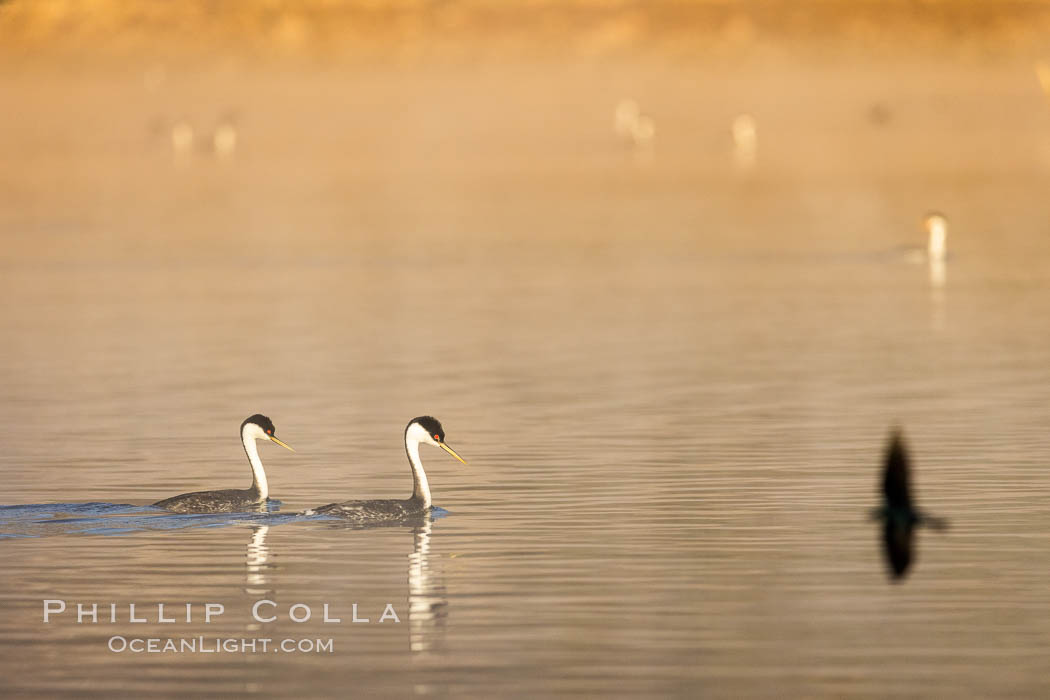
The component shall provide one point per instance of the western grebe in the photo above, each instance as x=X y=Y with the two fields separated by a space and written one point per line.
x=182 y=137
x=257 y=427
x=745 y=141
x=224 y=136
x=424 y=429
x=936 y=251
x=899 y=515
x=631 y=124
x=936 y=226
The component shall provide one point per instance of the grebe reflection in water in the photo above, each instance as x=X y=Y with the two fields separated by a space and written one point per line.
x=427 y=595
x=257 y=563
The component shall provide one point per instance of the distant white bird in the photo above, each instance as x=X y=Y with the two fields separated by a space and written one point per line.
x=1042 y=74
x=644 y=130
x=937 y=228
x=630 y=123
x=182 y=137
x=745 y=141
x=936 y=250
x=224 y=139
x=934 y=254
x=625 y=117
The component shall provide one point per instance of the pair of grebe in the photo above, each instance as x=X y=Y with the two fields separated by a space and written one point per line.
x=422 y=430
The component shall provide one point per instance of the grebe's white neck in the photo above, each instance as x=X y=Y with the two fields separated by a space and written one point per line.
x=938 y=245
x=414 y=435
x=249 y=434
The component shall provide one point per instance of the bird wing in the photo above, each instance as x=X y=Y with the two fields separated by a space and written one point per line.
x=897 y=541
x=895 y=478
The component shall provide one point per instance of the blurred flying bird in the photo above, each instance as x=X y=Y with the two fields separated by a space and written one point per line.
x=898 y=513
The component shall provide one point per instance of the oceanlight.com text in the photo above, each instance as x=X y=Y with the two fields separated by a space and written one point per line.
x=218 y=645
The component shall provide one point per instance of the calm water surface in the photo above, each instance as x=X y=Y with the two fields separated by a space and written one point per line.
x=673 y=407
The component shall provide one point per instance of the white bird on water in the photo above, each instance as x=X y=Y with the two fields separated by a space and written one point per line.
x=631 y=124
x=936 y=251
x=182 y=137
x=224 y=137
x=1042 y=74
x=937 y=227
x=745 y=141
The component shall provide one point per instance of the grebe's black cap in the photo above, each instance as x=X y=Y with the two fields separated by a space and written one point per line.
x=434 y=429
x=262 y=421
x=267 y=426
x=431 y=425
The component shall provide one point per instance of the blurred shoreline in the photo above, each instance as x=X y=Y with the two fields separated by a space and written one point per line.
x=414 y=32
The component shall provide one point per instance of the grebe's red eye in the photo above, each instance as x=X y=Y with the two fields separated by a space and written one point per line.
x=269 y=432
x=437 y=437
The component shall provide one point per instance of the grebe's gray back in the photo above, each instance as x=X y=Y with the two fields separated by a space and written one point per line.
x=423 y=429
x=257 y=427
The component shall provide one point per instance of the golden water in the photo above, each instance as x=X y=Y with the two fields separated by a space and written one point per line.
x=672 y=377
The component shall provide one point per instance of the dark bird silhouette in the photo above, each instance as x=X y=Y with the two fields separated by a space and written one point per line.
x=898 y=513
